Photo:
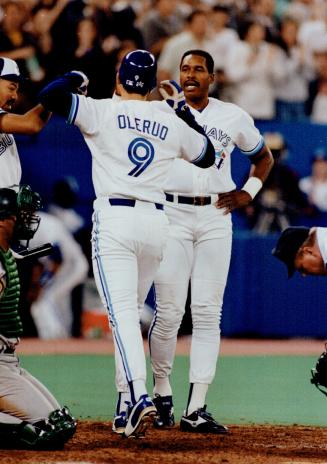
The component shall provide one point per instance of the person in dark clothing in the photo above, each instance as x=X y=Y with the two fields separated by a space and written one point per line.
x=280 y=203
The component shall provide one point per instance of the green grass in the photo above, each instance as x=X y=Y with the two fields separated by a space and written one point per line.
x=257 y=389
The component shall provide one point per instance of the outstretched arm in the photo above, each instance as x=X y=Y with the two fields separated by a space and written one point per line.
x=29 y=123
x=57 y=96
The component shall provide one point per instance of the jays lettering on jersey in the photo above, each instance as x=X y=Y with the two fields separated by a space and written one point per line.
x=133 y=143
x=10 y=168
x=227 y=126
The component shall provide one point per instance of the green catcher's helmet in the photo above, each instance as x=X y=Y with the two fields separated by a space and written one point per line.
x=28 y=202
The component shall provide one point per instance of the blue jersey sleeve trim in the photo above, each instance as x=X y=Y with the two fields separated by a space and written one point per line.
x=201 y=155
x=73 y=109
x=256 y=149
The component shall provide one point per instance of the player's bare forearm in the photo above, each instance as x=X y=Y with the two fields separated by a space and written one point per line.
x=232 y=200
x=38 y=116
x=29 y=123
x=262 y=164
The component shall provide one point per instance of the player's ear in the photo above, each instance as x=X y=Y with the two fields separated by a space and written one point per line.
x=307 y=249
x=118 y=85
x=211 y=78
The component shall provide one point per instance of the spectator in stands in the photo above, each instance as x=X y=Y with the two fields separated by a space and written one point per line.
x=280 y=202
x=263 y=12
x=255 y=67
x=90 y=58
x=159 y=24
x=195 y=36
x=123 y=22
x=300 y=10
x=43 y=17
x=315 y=187
x=293 y=94
x=222 y=36
x=59 y=274
x=317 y=100
x=19 y=45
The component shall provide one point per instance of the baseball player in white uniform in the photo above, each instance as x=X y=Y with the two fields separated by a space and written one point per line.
x=198 y=205
x=52 y=310
x=29 y=123
x=303 y=249
x=132 y=143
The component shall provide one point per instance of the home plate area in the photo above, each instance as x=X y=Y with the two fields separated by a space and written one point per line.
x=245 y=444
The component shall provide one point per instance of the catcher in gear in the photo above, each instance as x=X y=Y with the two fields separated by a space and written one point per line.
x=30 y=416
x=319 y=372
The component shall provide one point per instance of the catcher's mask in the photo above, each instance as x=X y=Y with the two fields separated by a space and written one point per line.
x=319 y=372
x=138 y=72
x=27 y=223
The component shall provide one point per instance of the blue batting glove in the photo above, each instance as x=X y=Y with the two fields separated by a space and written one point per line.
x=81 y=80
x=173 y=94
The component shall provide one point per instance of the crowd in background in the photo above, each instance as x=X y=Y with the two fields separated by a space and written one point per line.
x=270 y=55
x=270 y=59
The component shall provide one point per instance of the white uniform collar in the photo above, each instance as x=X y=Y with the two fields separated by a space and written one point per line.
x=322 y=242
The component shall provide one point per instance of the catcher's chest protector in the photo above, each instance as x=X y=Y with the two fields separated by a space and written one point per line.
x=10 y=322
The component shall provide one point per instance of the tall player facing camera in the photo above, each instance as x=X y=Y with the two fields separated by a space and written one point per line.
x=199 y=203
x=133 y=143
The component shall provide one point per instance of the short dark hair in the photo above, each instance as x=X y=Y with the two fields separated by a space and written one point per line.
x=194 y=13
x=221 y=9
x=209 y=60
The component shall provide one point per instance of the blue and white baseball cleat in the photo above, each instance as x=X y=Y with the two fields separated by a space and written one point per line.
x=140 y=416
x=119 y=423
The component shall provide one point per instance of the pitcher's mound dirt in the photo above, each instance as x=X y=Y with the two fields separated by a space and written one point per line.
x=95 y=443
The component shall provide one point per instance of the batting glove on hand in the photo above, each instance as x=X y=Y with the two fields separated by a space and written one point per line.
x=80 y=80
x=173 y=94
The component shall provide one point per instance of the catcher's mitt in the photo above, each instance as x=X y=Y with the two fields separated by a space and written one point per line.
x=319 y=372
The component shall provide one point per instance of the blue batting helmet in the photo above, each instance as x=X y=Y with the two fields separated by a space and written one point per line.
x=138 y=72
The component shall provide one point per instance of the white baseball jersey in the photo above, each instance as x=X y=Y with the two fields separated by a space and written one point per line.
x=10 y=168
x=322 y=242
x=133 y=144
x=229 y=126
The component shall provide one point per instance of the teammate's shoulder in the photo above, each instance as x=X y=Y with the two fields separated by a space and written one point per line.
x=215 y=102
x=229 y=107
x=161 y=105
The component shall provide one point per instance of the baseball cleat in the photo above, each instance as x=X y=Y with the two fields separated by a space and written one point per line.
x=165 y=416
x=201 y=421
x=140 y=416
x=119 y=423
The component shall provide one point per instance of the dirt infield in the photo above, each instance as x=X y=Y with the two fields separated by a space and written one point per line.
x=95 y=443
x=245 y=444
x=229 y=346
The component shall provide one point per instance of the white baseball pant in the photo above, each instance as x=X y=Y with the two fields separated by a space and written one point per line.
x=127 y=247
x=198 y=248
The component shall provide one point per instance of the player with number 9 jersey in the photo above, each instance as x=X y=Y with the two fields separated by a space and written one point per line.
x=133 y=143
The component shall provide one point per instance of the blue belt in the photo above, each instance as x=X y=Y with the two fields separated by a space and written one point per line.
x=196 y=201
x=128 y=202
